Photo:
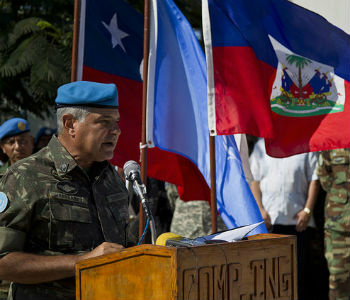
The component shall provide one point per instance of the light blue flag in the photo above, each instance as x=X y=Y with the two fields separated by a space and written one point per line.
x=178 y=114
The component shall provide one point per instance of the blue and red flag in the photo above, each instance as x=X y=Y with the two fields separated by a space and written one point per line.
x=279 y=71
x=178 y=114
x=111 y=50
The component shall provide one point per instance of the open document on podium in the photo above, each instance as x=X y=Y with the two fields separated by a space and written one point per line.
x=232 y=235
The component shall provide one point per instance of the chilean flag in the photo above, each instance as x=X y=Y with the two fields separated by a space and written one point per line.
x=111 y=51
x=279 y=71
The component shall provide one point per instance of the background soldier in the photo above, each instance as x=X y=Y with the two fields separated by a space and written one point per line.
x=191 y=219
x=334 y=175
x=67 y=202
x=16 y=141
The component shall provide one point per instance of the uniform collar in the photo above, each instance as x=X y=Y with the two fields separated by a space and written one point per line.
x=62 y=159
x=64 y=162
x=4 y=167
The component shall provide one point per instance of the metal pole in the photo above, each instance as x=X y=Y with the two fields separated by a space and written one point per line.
x=144 y=104
x=75 y=46
x=213 y=184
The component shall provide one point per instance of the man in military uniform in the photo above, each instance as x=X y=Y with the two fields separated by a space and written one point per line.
x=15 y=141
x=66 y=202
x=334 y=174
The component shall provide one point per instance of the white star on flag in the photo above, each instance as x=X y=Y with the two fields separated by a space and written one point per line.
x=116 y=34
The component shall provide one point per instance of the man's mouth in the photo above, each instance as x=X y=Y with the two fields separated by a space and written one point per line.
x=109 y=144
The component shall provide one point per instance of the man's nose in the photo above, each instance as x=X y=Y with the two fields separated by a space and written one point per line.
x=17 y=145
x=116 y=129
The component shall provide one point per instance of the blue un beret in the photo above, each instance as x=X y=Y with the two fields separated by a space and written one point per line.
x=13 y=127
x=87 y=93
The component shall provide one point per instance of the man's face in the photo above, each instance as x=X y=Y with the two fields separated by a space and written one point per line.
x=97 y=136
x=18 y=147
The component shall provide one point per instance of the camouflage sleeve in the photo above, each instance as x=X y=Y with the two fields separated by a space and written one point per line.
x=172 y=194
x=15 y=219
x=324 y=170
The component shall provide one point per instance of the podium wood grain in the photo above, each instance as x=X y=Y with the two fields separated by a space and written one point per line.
x=263 y=267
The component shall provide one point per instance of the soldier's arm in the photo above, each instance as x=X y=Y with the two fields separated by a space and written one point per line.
x=29 y=268
x=324 y=170
x=17 y=266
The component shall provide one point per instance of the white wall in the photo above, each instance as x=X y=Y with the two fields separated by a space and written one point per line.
x=336 y=12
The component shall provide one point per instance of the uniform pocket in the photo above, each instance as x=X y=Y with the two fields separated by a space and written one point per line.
x=340 y=165
x=338 y=195
x=69 y=219
x=118 y=205
x=69 y=208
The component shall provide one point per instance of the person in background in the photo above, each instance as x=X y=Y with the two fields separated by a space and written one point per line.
x=286 y=190
x=191 y=219
x=334 y=173
x=15 y=141
x=3 y=157
x=66 y=202
x=43 y=137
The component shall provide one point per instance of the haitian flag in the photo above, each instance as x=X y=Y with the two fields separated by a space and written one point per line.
x=279 y=71
x=178 y=113
x=111 y=51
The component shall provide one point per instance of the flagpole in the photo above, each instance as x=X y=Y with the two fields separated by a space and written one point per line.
x=213 y=184
x=143 y=149
x=75 y=46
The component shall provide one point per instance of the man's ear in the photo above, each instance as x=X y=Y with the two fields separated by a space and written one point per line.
x=68 y=124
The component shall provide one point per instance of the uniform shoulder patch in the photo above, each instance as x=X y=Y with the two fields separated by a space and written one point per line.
x=3 y=201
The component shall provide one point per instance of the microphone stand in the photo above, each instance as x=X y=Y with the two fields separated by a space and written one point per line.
x=141 y=192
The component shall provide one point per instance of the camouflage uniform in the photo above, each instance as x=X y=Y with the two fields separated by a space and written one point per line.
x=334 y=174
x=3 y=168
x=57 y=208
x=4 y=285
x=191 y=218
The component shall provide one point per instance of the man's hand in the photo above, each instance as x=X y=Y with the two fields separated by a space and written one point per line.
x=104 y=248
x=302 y=220
x=267 y=218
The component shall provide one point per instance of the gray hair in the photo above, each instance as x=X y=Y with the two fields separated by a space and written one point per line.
x=79 y=113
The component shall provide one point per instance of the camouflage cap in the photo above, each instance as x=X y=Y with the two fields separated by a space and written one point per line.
x=87 y=93
x=13 y=127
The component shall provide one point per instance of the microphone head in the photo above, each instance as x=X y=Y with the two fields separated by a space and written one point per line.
x=162 y=239
x=131 y=166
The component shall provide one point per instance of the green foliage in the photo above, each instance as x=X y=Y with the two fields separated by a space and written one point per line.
x=192 y=10
x=35 y=53
x=35 y=50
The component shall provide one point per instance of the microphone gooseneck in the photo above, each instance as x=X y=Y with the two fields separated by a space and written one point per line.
x=132 y=173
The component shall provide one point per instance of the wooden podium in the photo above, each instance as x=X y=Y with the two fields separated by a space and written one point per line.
x=262 y=267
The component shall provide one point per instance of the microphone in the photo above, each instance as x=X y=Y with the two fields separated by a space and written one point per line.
x=176 y=240
x=132 y=174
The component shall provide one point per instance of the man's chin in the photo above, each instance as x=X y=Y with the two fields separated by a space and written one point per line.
x=107 y=156
x=18 y=158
